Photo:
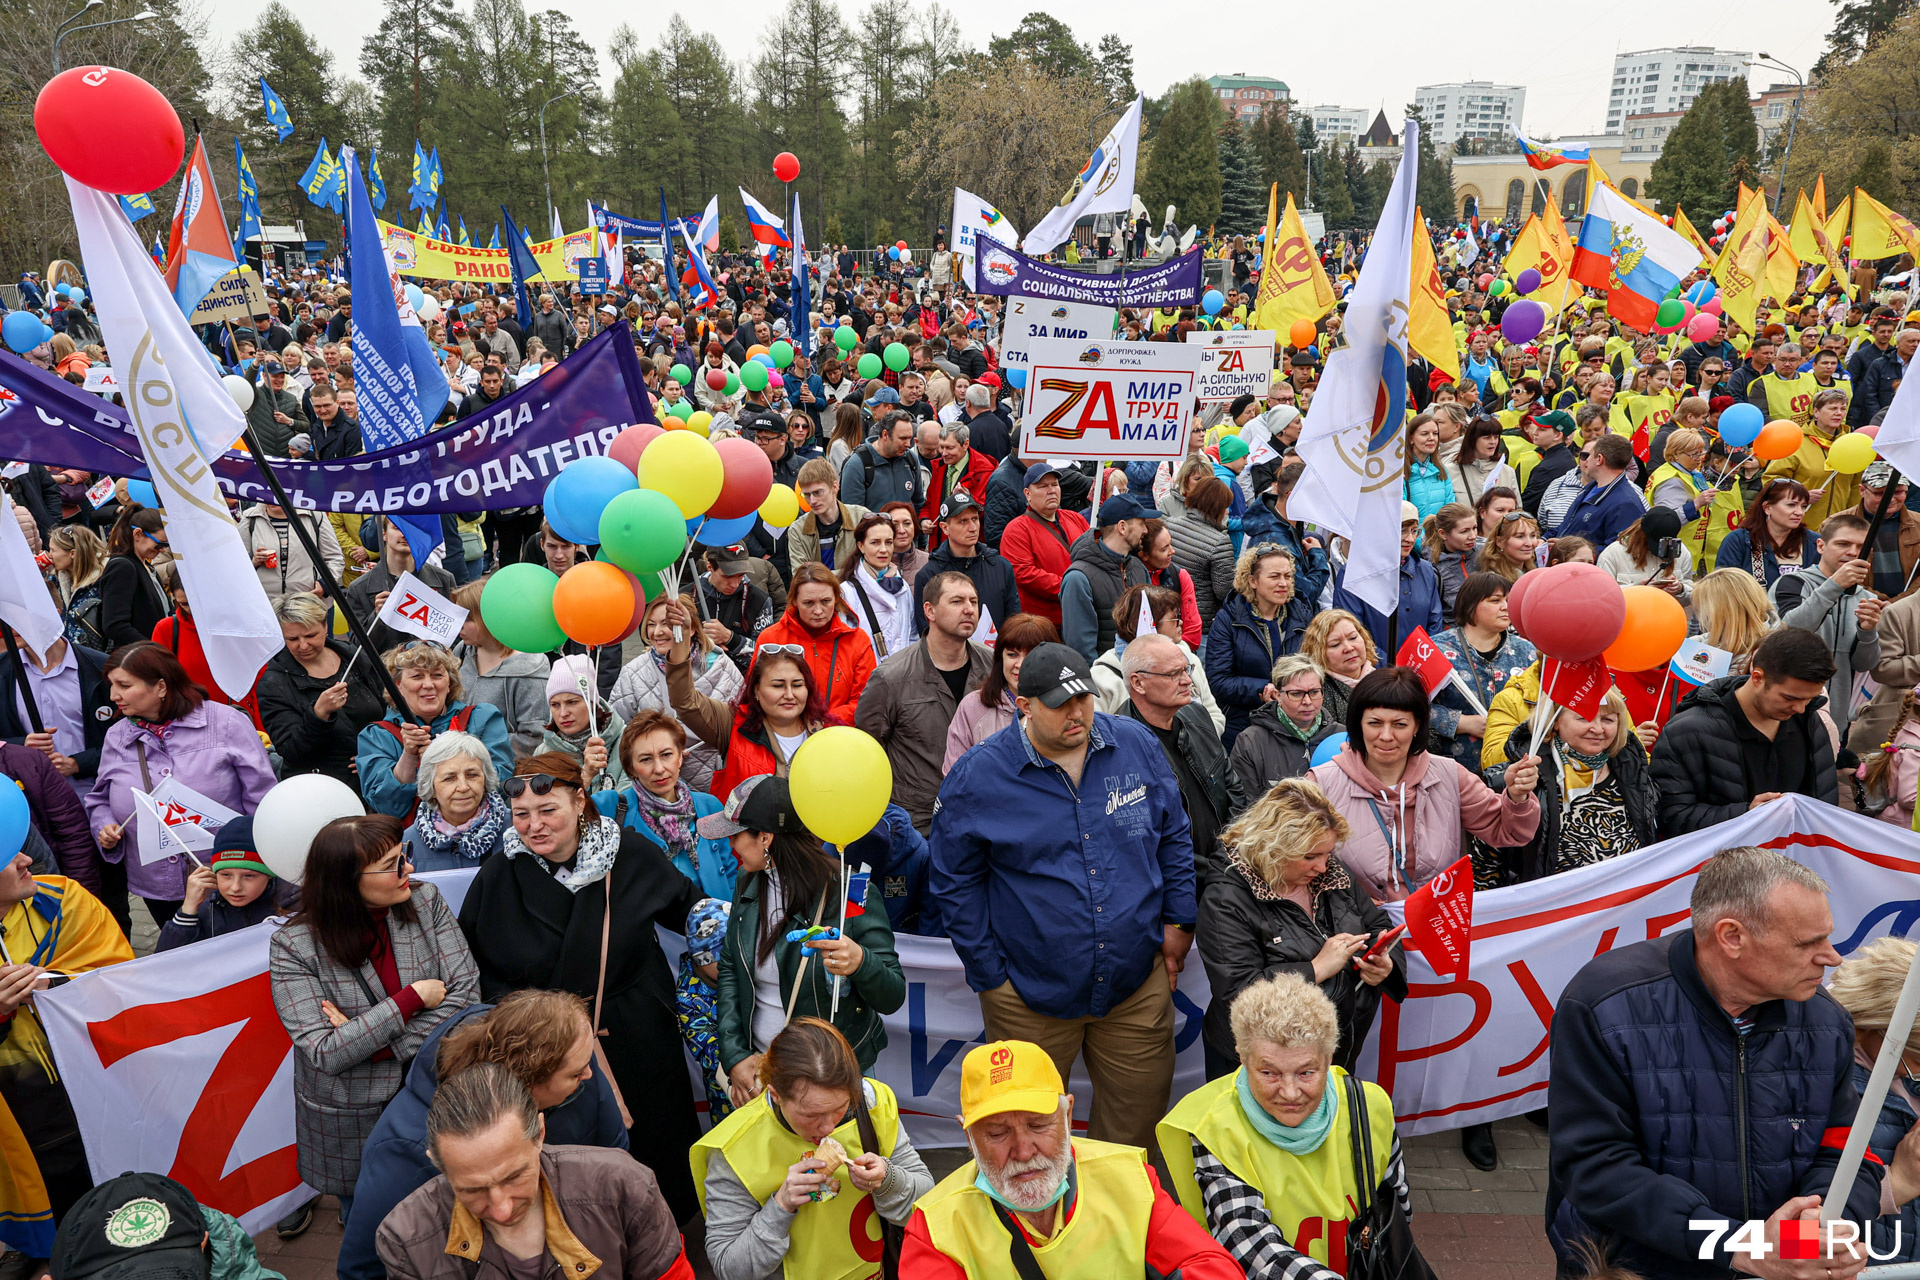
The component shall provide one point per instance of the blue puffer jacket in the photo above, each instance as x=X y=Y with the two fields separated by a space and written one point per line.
x=1891 y=1125
x=1419 y=607
x=1428 y=487
x=1240 y=651
x=1660 y=1112
x=717 y=868
x=895 y=856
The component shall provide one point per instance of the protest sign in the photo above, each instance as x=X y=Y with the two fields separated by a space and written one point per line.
x=593 y=274
x=235 y=296
x=1007 y=271
x=1029 y=320
x=174 y=818
x=413 y=254
x=1699 y=662
x=1237 y=362
x=417 y=609
x=1116 y=401
x=101 y=382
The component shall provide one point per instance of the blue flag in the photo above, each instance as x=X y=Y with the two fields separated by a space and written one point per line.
x=465 y=241
x=525 y=266
x=443 y=231
x=496 y=237
x=435 y=175
x=276 y=110
x=136 y=207
x=376 y=182
x=417 y=197
x=324 y=181
x=800 y=325
x=426 y=226
x=666 y=243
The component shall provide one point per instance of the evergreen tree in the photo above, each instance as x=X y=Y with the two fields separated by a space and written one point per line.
x=883 y=109
x=1114 y=59
x=1715 y=145
x=1048 y=44
x=404 y=62
x=1353 y=175
x=1435 y=187
x=1243 y=197
x=300 y=70
x=1276 y=149
x=645 y=139
x=797 y=105
x=1858 y=24
x=699 y=83
x=1331 y=194
x=1184 y=167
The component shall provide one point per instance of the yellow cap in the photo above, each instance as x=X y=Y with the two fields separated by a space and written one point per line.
x=1008 y=1075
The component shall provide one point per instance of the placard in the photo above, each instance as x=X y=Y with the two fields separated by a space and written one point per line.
x=236 y=295
x=1029 y=320
x=1237 y=362
x=1114 y=401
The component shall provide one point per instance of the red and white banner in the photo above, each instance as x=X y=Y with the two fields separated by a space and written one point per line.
x=182 y=1067
x=417 y=609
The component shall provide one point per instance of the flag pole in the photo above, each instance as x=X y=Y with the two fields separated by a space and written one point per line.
x=26 y=686
x=1892 y=1047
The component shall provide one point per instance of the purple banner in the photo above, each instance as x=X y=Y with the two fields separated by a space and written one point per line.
x=502 y=457
x=1008 y=271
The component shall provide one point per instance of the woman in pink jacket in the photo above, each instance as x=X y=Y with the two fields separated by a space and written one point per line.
x=1407 y=807
x=989 y=709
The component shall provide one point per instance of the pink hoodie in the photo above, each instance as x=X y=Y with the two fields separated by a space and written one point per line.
x=1432 y=801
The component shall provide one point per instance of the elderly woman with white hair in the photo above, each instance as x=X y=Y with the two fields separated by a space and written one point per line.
x=1867 y=986
x=1265 y=1159
x=461 y=816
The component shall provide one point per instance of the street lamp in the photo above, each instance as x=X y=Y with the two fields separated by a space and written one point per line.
x=1306 y=152
x=547 y=172
x=1780 y=188
x=66 y=29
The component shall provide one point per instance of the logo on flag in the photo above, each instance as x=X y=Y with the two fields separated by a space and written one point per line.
x=417 y=609
x=1440 y=920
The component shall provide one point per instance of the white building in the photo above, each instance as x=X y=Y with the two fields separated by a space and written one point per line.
x=1338 y=124
x=1659 y=80
x=1473 y=109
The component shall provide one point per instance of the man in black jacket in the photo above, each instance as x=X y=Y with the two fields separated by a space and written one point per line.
x=1550 y=432
x=961 y=552
x=736 y=610
x=1741 y=741
x=1160 y=696
x=334 y=435
x=1705 y=1076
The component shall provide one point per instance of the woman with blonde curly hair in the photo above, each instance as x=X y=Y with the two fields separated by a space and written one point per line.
x=388 y=759
x=1731 y=607
x=1341 y=646
x=1285 y=904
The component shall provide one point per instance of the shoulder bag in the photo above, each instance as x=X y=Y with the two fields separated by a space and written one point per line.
x=892 y=1236
x=599 y=991
x=1380 y=1243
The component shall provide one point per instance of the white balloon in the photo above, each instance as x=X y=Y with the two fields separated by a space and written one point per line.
x=240 y=389
x=429 y=309
x=291 y=815
x=906 y=255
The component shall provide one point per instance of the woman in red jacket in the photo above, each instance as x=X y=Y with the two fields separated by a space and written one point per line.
x=819 y=626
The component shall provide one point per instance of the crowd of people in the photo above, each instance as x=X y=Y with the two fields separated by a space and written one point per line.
x=1129 y=711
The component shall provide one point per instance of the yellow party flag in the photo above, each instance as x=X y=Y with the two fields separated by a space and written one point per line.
x=1535 y=247
x=1429 y=327
x=1812 y=244
x=1293 y=285
x=1879 y=232
x=1685 y=228
x=1743 y=263
x=1820 y=197
x=1783 y=264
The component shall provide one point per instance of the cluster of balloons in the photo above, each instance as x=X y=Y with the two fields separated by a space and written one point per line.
x=894 y=356
x=899 y=252
x=654 y=491
x=140 y=153
x=71 y=292
x=22 y=331
x=424 y=304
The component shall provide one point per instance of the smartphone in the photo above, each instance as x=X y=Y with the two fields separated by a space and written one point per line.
x=1384 y=941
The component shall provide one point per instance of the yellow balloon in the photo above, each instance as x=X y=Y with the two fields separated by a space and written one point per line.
x=1851 y=454
x=685 y=467
x=840 y=781
x=700 y=422
x=782 y=506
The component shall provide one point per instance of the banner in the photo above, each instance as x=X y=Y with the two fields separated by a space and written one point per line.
x=1007 y=271
x=502 y=457
x=972 y=216
x=1113 y=401
x=235 y=296
x=1029 y=320
x=425 y=257
x=1233 y=362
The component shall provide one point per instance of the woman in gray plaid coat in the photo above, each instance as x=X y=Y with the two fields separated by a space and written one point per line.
x=371 y=965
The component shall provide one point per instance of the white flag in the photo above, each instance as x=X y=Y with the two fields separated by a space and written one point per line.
x=175 y=819
x=177 y=404
x=1105 y=185
x=417 y=609
x=1469 y=249
x=972 y=215
x=24 y=603
x=1354 y=440
x=1899 y=437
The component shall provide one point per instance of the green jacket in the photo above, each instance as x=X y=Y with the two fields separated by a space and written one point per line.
x=231 y=1250
x=878 y=987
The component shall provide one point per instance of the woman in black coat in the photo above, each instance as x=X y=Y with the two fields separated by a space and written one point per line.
x=1285 y=904
x=314 y=698
x=537 y=915
x=1602 y=766
x=131 y=601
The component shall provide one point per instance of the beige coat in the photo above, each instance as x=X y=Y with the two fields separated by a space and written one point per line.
x=803 y=539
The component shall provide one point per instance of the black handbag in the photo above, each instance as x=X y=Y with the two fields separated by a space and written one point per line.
x=1380 y=1242
x=892 y=1236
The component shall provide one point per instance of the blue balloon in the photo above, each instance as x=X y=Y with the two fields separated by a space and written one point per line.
x=415 y=296
x=1018 y=377
x=1239 y=326
x=22 y=331
x=576 y=497
x=1740 y=425
x=141 y=491
x=1701 y=293
x=767 y=360
x=61 y=289
x=894 y=253
x=1212 y=301
x=76 y=295
x=710 y=532
x=14 y=817
x=1329 y=747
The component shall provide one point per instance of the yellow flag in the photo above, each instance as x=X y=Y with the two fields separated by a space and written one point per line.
x=1805 y=222
x=1293 y=284
x=1783 y=264
x=1535 y=247
x=1743 y=263
x=1812 y=243
x=1685 y=228
x=1429 y=327
x=1879 y=232
x=1820 y=197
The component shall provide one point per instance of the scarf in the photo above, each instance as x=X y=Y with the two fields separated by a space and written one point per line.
x=671 y=820
x=1301 y=1140
x=1305 y=735
x=1059 y=1193
x=473 y=840
x=591 y=861
x=891 y=582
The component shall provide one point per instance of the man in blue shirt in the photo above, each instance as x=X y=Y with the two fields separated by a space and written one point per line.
x=1608 y=502
x=1063 y=865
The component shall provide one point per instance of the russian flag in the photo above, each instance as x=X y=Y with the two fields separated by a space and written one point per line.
x=1638 y=259
x=709 y=231
x=199 y=250
x=1542 y=156
x=767 y=229
x=708 y=292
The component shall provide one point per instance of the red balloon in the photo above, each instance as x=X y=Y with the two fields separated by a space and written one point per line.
x=786 y=166
x=901 y=246
x=1517 y=593
x=138 y=153
x=626 y=446
x=717 y=378
x=1574 y=612
x=747 y=479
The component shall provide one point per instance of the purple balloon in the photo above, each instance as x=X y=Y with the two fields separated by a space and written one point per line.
x=1523 y=321
x=1526 y=282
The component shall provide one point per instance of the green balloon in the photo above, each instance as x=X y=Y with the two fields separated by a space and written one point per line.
x=681 y=374
x=869 y=366
x=733 y=384
x=642 y=531
x=753 y=375
x=897 y=356
x=517 y=606
x=1498 y=287
x=782 y=353
x=1670 y=314
x=845 y=338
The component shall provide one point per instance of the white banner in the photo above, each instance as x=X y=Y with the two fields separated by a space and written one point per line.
x=1031 y=320
x=1114 y=401
x=417 y=609
x=1234 y=362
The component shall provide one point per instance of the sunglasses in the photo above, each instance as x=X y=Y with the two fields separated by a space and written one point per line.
x=791 y=649
x=539 y=784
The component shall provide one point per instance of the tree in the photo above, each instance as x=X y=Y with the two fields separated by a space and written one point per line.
x=300 y=70
x=1860 y=128
x=1276 y=149
x=1330 y=191
x=699 y=83
x=645 y=139
x=1243 y=197
x=1708 y=153
x=796 y=103
x=1184 y=167
x=404 y=62
x=883 y=108
x=1435 y=189
x=1049 y=45
x=1114 y=58
x=1855 y=29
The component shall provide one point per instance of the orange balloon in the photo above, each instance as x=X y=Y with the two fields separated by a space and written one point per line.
x=804 y=504
x=1302 y=334
x=757 y=350
x=1656 y=627
x=674 y=423
x=1778 y=439
x=594 y=603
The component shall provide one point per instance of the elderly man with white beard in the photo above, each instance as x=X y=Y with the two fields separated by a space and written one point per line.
x=1035 y=1203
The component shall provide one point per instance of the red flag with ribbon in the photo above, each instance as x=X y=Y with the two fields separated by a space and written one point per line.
x=1578 y=686
x=1440 y=920
x=1424 y=656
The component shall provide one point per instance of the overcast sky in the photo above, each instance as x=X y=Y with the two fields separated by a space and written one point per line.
x=1367 y=54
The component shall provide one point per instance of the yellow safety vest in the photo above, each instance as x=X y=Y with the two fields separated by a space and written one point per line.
x=837 y=1239
x=1790 y=398
x=1311 y=1197
x=1689 y=532
x=1105 y=1236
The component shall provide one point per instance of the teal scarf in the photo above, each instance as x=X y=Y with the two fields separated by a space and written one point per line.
x=1059 y=1193
x=1301 y=1141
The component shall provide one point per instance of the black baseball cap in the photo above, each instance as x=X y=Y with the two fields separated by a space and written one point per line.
x=1054 y=673
x=761 y=803
x=733 y=559
x=959 y=502
x=757 y=420
x=138 y=1226
x=1122 y=506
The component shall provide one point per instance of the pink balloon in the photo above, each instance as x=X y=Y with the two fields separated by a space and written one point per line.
x=747 y=479
x=1704 y=327
x=774 y=380
x=1691 y=312
x=1574 y=612
x=1713 y=305
x=626 y=446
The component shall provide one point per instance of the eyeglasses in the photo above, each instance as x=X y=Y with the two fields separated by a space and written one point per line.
x=1303 y=695
x=1517 y=513
x=792 y=649
x=391 y=868
x=539 y=784
x=1182 y=674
